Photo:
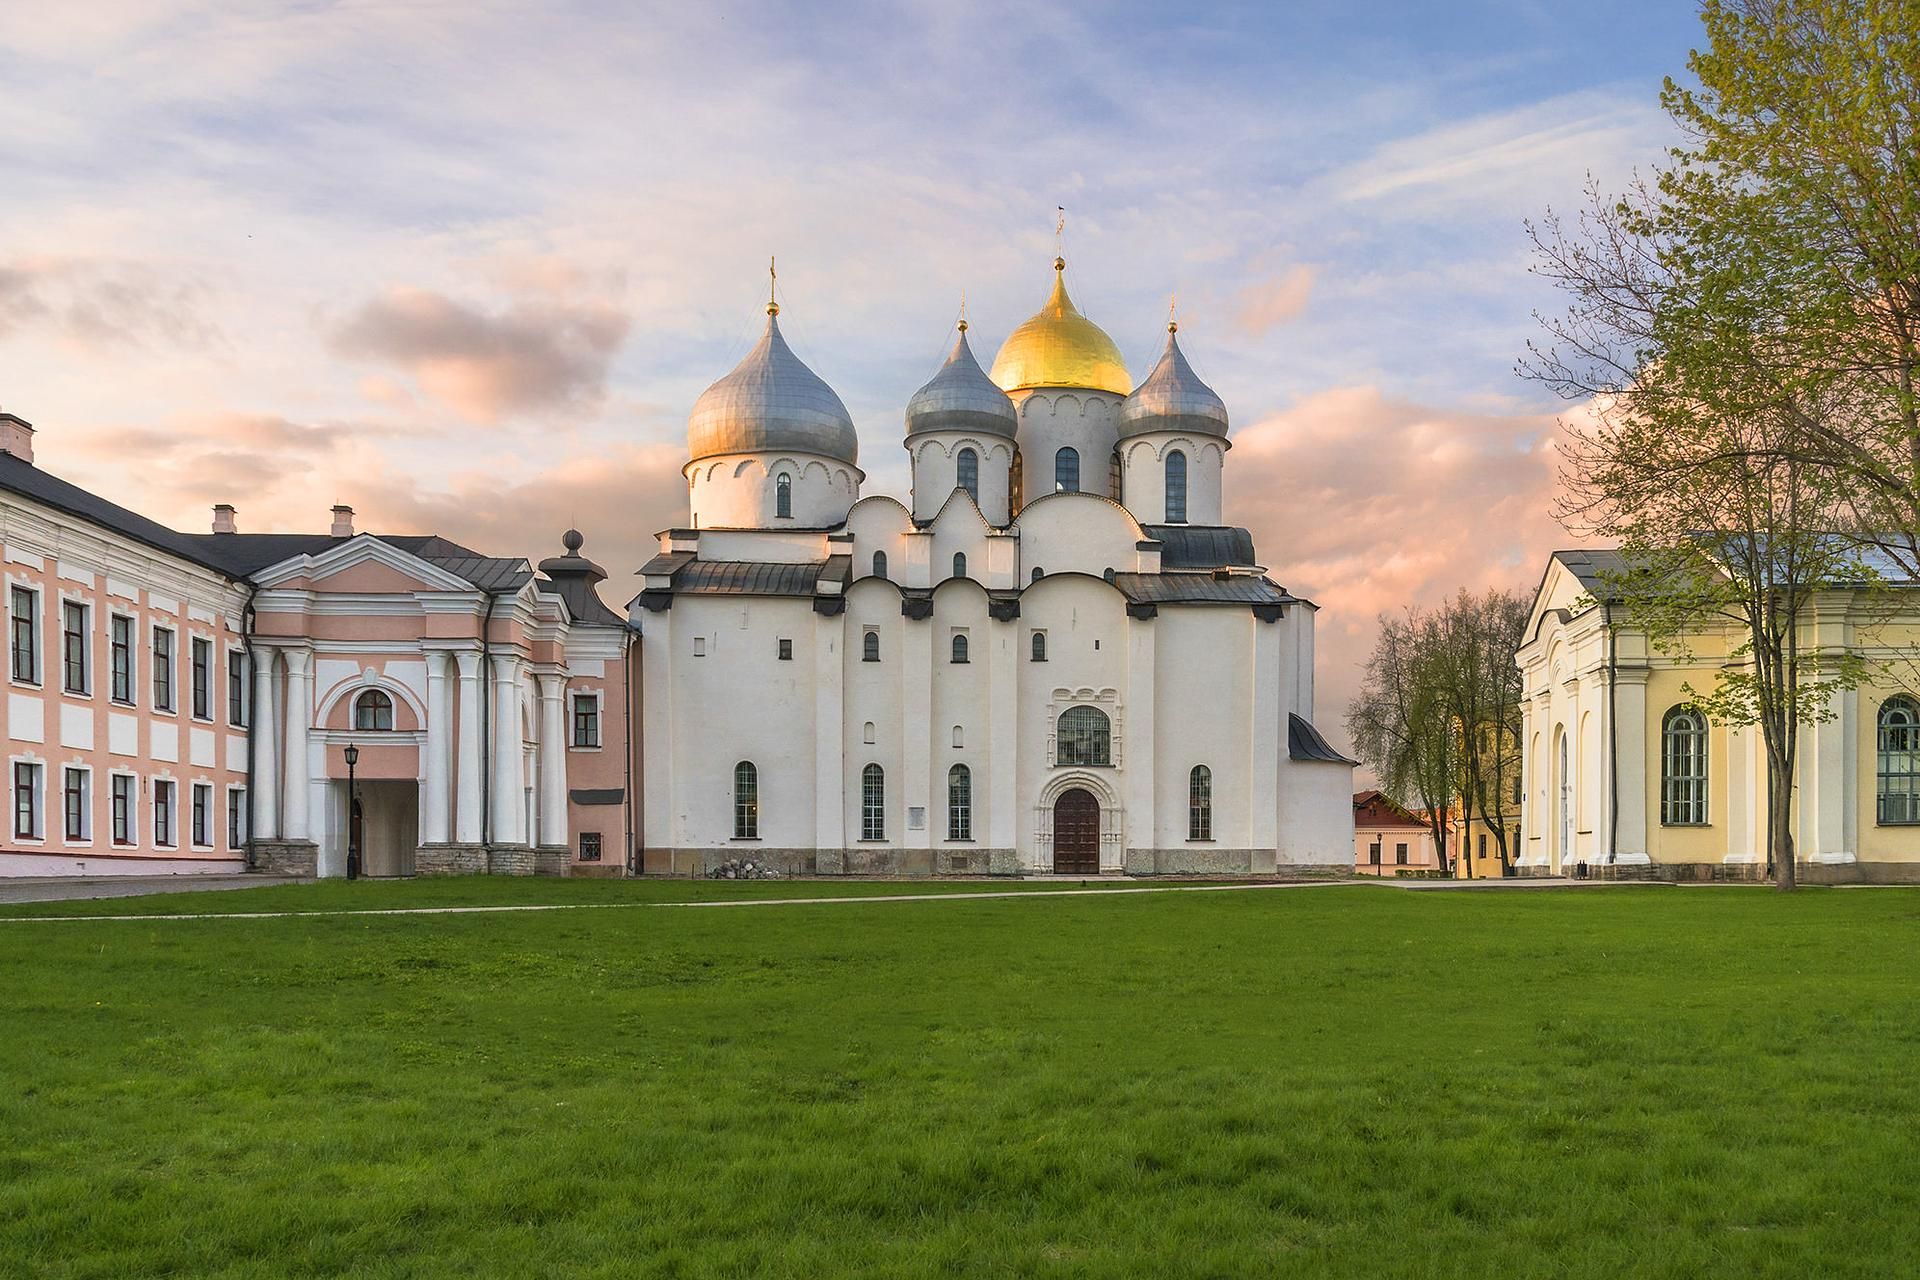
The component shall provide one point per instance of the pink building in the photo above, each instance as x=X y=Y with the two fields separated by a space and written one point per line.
x=1388 y=840
x=185 y=702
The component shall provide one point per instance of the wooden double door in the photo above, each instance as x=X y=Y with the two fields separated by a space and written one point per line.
x=1076 y=833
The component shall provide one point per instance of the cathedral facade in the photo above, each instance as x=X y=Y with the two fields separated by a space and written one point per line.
x=1054 y=656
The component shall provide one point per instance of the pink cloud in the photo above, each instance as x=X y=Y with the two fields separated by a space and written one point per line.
x=1269 y=303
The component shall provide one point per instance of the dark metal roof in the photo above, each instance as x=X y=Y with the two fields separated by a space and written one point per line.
x=1305 y=743
x=747 y=578
x=29 y=481
x=666 y=562
x=1198 y=588
x=1593 y=568
x=597 y=795
x=1202 y=546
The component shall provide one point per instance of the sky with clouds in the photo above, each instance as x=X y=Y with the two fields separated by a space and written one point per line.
x=465 y=266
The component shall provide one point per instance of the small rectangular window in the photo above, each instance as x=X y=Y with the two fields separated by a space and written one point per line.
x=202 y=815
x=1400 y=855
x=586 y=719
x=1373 y=853
x=24 y=633
x=699 y=646
x=75 y=794
x=785 y=650
x=26 y=801
x=120 y=637
x=123 y=809
x=236 y=817
x=163 y=814
x=237 y=688
x=162 y=669
x=589 y=846
x=75 y=669
x=202 y=664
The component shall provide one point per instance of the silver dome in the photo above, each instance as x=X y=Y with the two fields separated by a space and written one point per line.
x=961 y=397
x=771 y=402
x=1172 y=398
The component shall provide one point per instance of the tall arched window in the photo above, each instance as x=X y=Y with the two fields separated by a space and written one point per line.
x=1176 y=487
x=967 y=467
x=873 y=803
x=1066 y=471
x=959 y=564
x=1039 y=646
x=879 y=564
x=1200 y=803
x=959 y=648
x=746 y=801
x=373 y=710
x=1084 y=737
x=783 y=496
x=870 y=647
x=959 y=803
x=1683 y=768
x=1899 y=764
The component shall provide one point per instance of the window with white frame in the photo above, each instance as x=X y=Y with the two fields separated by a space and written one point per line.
x=123 y=788
x=27 y=780
x=120 y=643
x=164 y=814
x=236 y=817
x=200 y=663
x=163 y=669
x=373 y=712
x=873 y=803
x=1200 y=803
x=586 y=720
x=237 y=688
x=1085 y=737
x=23 y=630
x=1897 y=765
x=76 y=666
x=1683 y=768
x=202 y=815
x=746 y=801
x=959 y=803
x=76 y=802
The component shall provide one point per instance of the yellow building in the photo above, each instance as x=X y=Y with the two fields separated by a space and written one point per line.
x=1623 y=777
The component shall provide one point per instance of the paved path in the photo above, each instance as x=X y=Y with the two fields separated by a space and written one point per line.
x=65 y=888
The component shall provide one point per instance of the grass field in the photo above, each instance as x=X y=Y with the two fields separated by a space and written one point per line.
x=1344 y=1081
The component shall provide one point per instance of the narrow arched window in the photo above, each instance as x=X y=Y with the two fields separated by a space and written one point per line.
x=373 y=710
x=1200 y=803
x=879 y=564
x=1066 y=471
x=866 y=733
x=1683 y=768
x=873 y=803
x=870 y=647
x=1899 y=761
x=1039 y=646
x=959 y=648
x=967 y=468
x=1176 y=487
x=959 y=803
x=1037 y=574
x=746 y=801
x=959 y=564
x=1084 y=737
x=783 y=496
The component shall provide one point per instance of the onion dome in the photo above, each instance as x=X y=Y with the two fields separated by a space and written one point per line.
x=1059 y=347
x=771 y=403
x=1173 y=398
x=961 y=397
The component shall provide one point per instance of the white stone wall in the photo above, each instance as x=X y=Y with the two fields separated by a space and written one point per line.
x=1144 y=475
x=741 y=491
x=1051 y=419
x=936 y=473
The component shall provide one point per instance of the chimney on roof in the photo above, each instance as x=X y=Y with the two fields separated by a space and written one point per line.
x=16 y=437
x=342 y=522
x=223 y=521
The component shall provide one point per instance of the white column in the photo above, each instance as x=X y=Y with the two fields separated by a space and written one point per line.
x=1139 y=762
x=1630 y=740
x=434 y=811
x=266 y=750
x=299 y=720
x=467 y=815
x=509 y=813
x=553 y=760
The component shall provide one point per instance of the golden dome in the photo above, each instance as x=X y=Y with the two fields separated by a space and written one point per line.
x=1059 y=347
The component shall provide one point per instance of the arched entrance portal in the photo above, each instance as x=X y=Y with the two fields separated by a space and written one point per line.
x=1076 y=833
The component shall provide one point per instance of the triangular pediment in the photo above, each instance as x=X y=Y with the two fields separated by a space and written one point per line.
x=361 y=565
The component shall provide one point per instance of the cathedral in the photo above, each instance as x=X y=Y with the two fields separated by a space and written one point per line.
x=1054 y=656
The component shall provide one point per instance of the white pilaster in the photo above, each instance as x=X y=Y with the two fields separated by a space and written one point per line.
x=829 y=742
x=299 y=721
x=1630 y=742
x=467 y=820
x=553 y=759
x=434 y=807
x=509 y=809
x=1142 y=831
x=918 y=654
x=266 y=749
x=998 y=800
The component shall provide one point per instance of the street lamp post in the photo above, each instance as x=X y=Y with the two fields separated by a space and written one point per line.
x=353 y=810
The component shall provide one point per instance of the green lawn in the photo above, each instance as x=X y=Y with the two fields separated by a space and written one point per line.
x=1345 y=1081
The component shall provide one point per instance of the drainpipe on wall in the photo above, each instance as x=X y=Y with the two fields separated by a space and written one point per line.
x=253 y=712
x=636 y=856
x=1613 y=741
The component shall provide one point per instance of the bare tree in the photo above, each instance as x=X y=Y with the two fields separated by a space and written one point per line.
x=1399 y=724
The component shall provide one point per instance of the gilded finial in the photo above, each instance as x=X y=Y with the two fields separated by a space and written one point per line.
x=773 y=307
x=1173 y=313
x=963 y=311
x=1059 y=237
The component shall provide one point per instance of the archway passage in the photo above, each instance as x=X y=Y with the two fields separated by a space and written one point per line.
x=1076 y=833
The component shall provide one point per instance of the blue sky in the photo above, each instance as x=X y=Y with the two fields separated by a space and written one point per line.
x=466 y=265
